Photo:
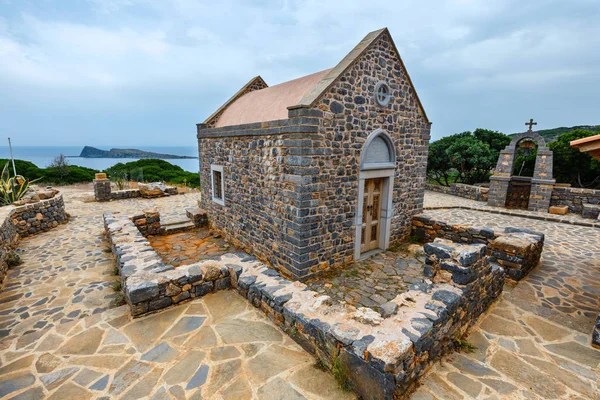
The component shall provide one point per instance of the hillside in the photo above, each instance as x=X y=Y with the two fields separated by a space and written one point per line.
x=551 y=134
x=92 y=152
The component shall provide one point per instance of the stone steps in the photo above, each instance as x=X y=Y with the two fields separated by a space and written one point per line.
x=178 y=226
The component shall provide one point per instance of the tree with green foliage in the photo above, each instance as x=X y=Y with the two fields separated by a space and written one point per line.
x=465 y=157
x=572 y=166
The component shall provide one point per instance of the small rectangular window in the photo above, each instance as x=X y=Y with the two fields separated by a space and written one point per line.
x=218 y=185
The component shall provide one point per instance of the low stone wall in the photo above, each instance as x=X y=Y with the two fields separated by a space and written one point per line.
x=39 y=217
x=148 y=283
x=574 y=198
x=517 y=250
x=437 y=188
x=472 y=192
x=103 y=191
x=478 y=193
x=382 y=357
x=28 y=220
x=9 y=238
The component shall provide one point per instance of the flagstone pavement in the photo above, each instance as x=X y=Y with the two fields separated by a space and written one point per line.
x=59 y=339
x=535 y=342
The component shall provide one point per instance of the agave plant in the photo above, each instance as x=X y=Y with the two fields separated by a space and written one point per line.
x=12 y=188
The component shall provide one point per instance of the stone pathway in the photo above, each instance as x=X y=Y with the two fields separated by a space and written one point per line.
x=217 y=347
x=60 y=340
x=375 y=281
x=434 y=200
x=189 y=247
x=535 y=342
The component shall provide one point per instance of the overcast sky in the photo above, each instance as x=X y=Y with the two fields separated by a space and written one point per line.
x=144 y=72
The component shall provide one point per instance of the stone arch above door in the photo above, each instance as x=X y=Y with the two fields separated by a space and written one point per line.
x=378 y=152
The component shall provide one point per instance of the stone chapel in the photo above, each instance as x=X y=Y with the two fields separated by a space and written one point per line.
x=320 y=170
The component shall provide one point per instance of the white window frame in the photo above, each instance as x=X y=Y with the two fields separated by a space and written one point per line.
x=213 y=169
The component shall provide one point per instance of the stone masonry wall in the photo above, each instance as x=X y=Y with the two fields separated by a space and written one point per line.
x=291 y=186
x=9 y=238
x=262 y=194
x=575 y=198
x=350 y=115
x=517 y=250
x=148 y=283
x=472 y=192
x=39 y=217
x=28 y=220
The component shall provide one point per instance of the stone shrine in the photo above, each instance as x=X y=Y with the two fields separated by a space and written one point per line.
x=540 y=186
x=321 y=170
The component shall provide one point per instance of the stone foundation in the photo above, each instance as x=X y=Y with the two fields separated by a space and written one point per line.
x=382 y=357
x=28 y=220
x=103 y=191
x=517 y=250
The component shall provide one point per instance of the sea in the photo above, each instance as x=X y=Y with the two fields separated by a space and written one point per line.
x=43 y=155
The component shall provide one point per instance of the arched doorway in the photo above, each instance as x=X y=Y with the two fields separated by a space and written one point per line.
x=508 y=189
x=375 y=192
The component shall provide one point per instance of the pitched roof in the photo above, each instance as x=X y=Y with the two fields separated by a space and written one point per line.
x=272 y=103
x=269 y=104
x=589 y=145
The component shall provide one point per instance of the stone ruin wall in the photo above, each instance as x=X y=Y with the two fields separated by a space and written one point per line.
x=384 y=357
x=28 y=220
x=517 y=250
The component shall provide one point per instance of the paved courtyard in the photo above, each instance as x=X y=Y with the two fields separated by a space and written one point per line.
x=60 y=339
x=374 y=281
x=535 y=342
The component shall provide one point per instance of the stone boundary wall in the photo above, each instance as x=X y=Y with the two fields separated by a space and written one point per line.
x=472 y=192
x=574 y=198
x=103 y=191
x=148 y=283
x=28 y=220
x=42 y=216
x=383 y=357
x=517 y=250
x=9 y=239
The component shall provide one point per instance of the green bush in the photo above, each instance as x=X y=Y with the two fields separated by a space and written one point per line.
x=153 y=170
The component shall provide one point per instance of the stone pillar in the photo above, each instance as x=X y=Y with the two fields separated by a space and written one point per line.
x=541 y=194
x=498 y=191
x=102 y=191
x=148 y=223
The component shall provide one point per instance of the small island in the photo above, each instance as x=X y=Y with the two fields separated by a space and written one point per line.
x=92 y=152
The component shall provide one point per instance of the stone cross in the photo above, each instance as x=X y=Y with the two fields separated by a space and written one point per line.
x=531 y=124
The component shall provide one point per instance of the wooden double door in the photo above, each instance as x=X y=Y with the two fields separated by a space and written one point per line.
x=371 y=215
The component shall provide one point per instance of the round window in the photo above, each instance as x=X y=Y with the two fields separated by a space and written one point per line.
x=382 y=94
